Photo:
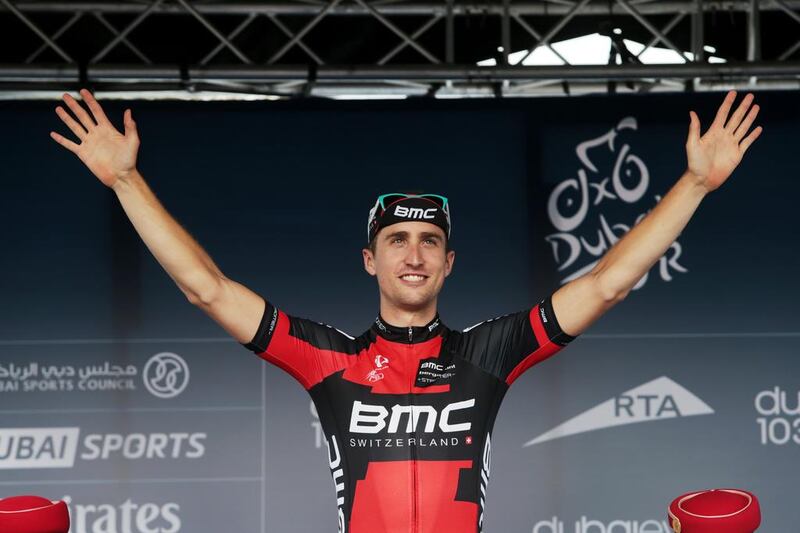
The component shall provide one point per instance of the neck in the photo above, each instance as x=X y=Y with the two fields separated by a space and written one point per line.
x=404 y=317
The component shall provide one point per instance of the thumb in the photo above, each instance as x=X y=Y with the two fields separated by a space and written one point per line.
x=130 y=125
x=694 y=128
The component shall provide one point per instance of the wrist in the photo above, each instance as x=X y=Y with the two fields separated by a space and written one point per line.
x=696 y=181
x=125 y=179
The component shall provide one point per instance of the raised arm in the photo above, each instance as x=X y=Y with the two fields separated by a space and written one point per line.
x=711 y=160
x=111 y=156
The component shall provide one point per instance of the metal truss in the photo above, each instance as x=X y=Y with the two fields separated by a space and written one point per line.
x=389 y=48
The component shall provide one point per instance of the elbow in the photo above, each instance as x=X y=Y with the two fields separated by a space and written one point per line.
x=610 y=292
x=204 y=294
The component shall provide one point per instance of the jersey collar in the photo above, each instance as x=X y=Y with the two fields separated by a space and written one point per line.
x=407 y=334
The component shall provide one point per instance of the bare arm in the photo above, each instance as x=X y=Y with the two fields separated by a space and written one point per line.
x=581 y=302
x=111 y=156
x=711 y=160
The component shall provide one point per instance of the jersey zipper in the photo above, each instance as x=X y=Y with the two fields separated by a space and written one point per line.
x=414 y=491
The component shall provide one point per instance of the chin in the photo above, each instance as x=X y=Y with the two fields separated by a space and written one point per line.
x=416 y=300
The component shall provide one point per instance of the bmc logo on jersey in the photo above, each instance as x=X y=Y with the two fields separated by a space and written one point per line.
x=366 y=418
x=414 y=212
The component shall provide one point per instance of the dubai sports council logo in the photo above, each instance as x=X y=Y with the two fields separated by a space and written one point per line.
x=166 y=375
x=659 y=399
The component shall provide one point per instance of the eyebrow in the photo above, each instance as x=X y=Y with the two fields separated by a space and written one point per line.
x=423 y=234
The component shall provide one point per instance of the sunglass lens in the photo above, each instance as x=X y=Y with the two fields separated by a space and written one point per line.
x=441 y=201
x=388 y=199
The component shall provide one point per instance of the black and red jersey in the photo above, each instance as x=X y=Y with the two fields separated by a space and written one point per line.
x=408 y=412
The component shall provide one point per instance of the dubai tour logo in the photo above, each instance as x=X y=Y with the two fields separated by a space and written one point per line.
x=581 y=238
x=166 y=375
x=659 y=399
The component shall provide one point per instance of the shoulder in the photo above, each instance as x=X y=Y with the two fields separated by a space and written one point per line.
x=281 y=331
x=324 y=336
x=499 y=322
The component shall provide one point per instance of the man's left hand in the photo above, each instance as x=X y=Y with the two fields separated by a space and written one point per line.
x=714 y=156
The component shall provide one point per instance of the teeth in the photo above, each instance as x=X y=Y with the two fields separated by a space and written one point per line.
x=411 y=277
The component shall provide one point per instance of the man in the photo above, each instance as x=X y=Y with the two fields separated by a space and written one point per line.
x=408 y=406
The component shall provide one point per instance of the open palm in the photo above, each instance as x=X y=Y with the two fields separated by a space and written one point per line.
x=715 y=155
x=109 y=154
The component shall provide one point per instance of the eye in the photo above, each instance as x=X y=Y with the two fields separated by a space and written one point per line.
x=397 y=239
x=430 y=241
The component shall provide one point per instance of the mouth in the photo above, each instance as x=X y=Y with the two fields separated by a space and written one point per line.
x=414 y=279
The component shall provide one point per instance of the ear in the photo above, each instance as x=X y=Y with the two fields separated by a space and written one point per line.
x=448 y=262
x=369 y=261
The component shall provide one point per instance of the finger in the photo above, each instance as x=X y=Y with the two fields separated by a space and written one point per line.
x=76 y=128
x=736 y=119
x=80 y=112
x=130 y=125
x=66 y=143
x=748 y=121
x=94 y=107
x=694 y=129
x=750 y=139
x=724 y=109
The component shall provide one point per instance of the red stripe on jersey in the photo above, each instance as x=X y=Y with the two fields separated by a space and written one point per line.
x=383 y=500
x=546 y=347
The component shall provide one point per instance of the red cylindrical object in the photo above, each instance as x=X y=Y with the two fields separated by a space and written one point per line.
x=33 y=514
x=715 y=511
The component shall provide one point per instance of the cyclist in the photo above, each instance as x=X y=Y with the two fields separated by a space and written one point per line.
x=408 y=406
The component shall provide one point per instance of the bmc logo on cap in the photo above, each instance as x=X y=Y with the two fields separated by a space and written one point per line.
x=414 y=212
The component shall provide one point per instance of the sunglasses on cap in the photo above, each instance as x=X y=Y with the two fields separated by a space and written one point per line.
x=385 y=200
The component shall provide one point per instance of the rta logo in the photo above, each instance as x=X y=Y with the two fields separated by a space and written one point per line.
x=414 y=212
x=645 y=405
x=166 y=375
x=659 y=399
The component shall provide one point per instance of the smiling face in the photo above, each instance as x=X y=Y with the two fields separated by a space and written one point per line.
x=410 y=262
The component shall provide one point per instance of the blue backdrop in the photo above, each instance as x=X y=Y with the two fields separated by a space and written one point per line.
x=690 y=383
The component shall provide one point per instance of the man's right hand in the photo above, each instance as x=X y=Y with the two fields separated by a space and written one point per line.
x=110 y=155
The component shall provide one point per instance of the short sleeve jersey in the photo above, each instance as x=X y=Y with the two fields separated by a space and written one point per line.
x=408 y=412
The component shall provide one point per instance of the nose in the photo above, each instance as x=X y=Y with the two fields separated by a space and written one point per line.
x=414 y=256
